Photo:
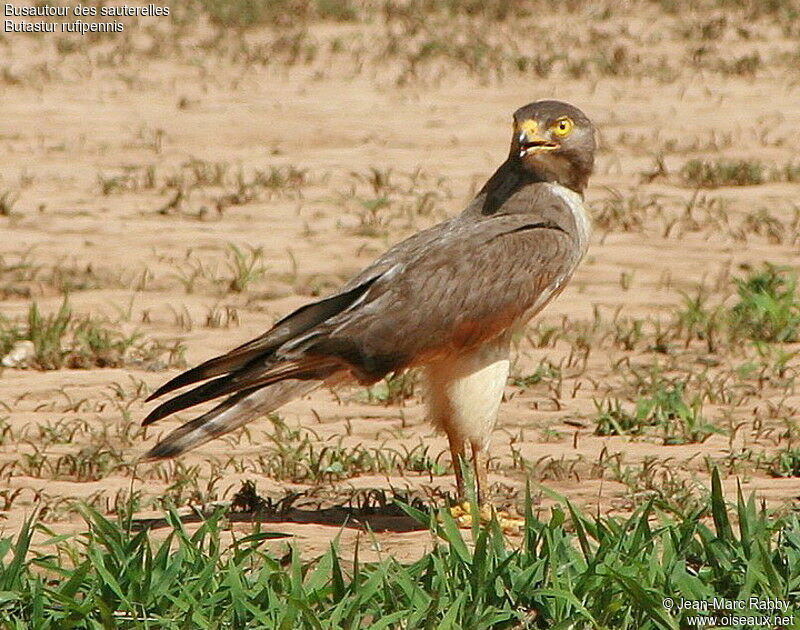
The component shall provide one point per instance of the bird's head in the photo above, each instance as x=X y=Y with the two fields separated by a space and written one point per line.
x=555 y=142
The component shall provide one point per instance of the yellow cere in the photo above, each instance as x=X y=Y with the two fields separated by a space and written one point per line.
x=529 y=127
x=563 y=126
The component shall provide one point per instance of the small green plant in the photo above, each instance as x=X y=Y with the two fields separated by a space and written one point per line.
x=682 y=421
x=698 y=319
x=722 y=172
x=768 y=308
x=299 y=455
x=612 y=419
x=47 y=332
x=544 y=372
x=786 y=463
x=62 y=339
x=245 y=267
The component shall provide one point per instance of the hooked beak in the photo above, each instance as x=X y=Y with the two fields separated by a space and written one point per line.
x=534 y=143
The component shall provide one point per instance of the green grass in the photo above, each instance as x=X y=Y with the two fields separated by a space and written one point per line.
x=725 y=172
x=612 y=419
x=768 y=308
x=244 y=267
x=62 y=339
x=679 y=419
x=722 y=172
x=786 y=463
x=299 y=455
x=544 y=372
x=567 y=570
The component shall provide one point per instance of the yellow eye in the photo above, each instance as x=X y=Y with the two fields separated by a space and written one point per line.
x=563 y=126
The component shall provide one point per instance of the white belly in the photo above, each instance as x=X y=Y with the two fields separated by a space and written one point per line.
x=464 y=393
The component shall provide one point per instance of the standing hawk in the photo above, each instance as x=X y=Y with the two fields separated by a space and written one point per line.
x=447 y=299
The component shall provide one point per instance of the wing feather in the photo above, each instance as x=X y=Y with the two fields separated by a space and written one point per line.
x=294 y=324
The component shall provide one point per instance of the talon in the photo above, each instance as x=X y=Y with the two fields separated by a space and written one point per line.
x=509 y=523
x=457 y=511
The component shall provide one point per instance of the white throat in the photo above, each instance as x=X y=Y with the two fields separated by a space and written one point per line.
x=575 y=203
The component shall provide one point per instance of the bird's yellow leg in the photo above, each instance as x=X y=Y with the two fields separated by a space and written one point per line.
x=480 y=465
x=472 y=473
x=458 y=453
x=462 y=512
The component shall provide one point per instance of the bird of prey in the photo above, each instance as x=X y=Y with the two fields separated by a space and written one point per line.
x=447 y=300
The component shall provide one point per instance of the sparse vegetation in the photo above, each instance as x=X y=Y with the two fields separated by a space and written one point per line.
x=713 y=174
x=244 y=267
x=612 y=419
x=768 y=308
x=63 y=340
x=299 y=455
x=679 y=421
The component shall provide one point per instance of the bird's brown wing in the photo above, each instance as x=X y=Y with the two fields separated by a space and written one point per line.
x=294 y=324
x=442 y=291
x=469 y=286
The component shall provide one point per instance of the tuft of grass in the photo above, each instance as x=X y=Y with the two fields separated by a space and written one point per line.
x=681 y=420
x=63 y=340
x=768 y=308
x=544 y=372
x=245 y=267
x=785 y=463
x=300 y=456
x=626 y=214
x=612 y=419
x=666 y=406
x=722 y=172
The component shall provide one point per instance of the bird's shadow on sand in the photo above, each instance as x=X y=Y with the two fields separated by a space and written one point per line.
x=375 y=511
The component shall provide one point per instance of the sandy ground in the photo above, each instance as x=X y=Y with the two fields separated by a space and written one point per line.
x=81 y=127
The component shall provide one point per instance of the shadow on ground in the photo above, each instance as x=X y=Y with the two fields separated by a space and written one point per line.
x=372 y=510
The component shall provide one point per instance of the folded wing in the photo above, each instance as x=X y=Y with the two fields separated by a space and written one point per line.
x=445 y=290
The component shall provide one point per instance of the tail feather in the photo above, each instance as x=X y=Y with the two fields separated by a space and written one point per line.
x=258 y=376
x=206 y=391
x=263 y=347
x=213 y=367
x=231 y=414
x=246 y=379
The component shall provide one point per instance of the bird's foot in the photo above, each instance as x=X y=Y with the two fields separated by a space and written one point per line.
x=510 y=524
